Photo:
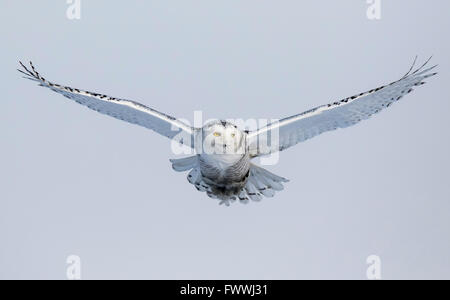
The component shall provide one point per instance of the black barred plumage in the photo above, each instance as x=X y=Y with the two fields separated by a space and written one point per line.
x=256 y=183
x=126 y=110
x=339 y=114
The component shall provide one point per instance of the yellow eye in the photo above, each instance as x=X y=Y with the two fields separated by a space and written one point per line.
x=216 y=133
x=233 y=135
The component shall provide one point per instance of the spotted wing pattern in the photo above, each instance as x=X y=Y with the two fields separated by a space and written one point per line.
x=339 y=114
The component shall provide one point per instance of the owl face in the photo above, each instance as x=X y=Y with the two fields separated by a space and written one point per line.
x=223 y=138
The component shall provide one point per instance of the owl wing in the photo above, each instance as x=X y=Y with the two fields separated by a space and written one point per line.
x=126 y=110
x=290 y=131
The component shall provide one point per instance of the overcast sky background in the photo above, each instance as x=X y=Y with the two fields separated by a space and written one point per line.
x=73 y=181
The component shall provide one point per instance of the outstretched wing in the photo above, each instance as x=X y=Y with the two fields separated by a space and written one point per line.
x=126 y=110
x=290 y=131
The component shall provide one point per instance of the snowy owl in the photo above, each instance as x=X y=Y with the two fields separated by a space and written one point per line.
x=221 y=165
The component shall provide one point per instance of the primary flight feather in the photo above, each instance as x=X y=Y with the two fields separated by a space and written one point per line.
x=222 y=165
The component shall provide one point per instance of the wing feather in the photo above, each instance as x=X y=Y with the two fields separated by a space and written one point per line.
x=126 y=110
x=340 y=114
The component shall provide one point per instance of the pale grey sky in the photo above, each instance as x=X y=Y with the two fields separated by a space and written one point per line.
x=76 y=182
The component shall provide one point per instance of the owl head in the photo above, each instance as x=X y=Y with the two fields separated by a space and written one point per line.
x=222 y=137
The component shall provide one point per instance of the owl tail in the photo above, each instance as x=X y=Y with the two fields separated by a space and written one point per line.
x=261 y=183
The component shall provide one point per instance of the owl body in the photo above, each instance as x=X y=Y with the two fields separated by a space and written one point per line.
x=224 y=161
x=222 y=167
x=226 y=174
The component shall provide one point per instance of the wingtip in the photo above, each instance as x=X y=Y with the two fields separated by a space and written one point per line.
x=22 y=72
x=412 y=66
x=429 y=59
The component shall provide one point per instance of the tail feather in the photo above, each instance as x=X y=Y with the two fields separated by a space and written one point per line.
x=263 y=183
x=268 y=174
x=262 y=190
x=266 y=180
x=243 y=197
x=260 y=183
x=252 y=191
